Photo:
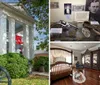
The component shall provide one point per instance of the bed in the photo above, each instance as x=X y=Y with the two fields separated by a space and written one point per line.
x=60 y=70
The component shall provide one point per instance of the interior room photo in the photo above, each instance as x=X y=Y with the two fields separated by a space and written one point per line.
x=74 y=63
x=74 y=20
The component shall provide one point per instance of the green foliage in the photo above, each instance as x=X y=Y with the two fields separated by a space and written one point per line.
x=41 y=61
x=43 y=45
x=3 y=61
x=46 y=66
x=36 y=2
x=16 y=64
x=39 y=10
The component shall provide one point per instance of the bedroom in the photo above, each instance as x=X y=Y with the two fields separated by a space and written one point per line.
x=76 y=25
x=63 y=62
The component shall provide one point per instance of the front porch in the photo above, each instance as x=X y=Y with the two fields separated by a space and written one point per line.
x=13 y=21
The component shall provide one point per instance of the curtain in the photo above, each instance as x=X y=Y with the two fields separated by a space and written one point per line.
x=60 y=53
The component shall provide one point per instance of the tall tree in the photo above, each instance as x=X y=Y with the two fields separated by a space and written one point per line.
x=39 y=10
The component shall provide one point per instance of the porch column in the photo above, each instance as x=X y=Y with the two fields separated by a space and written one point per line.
x=3 y=33
x=11 y=35
x=26 y=41
x=31 y=40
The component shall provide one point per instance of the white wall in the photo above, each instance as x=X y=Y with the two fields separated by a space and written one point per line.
x=58 y=14
x=78 y=55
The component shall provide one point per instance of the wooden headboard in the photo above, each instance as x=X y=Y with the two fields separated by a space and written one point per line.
x=60 y=62
x=60 y=49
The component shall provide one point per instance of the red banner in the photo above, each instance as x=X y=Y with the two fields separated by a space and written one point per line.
x=19 y=39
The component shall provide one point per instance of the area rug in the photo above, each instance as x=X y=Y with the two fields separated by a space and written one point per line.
x=79 y=77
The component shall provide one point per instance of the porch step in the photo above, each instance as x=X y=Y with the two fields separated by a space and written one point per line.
x=41 y=73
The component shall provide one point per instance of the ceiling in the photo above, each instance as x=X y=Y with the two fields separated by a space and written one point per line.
x=76 y=46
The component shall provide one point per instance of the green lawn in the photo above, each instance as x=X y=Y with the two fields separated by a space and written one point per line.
x=34 y=80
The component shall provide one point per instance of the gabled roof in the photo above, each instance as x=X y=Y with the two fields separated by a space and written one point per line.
x=20 y=7
x=16 y=11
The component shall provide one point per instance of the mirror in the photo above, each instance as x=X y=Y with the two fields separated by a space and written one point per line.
x=87 y=59
x=95 y=59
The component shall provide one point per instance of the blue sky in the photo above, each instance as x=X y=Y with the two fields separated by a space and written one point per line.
x=40 y=36
x=9 y=0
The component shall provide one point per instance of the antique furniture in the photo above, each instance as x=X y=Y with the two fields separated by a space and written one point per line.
x=61 y=63
x=75 y=31
x=79 y=66
x=5 y=76
x=60 y=70
x=96 y=59
x=92 y=59
x=68 y=30
x=87 y=59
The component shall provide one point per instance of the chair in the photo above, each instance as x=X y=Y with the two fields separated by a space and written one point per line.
x=79 y=66
x=5 y=75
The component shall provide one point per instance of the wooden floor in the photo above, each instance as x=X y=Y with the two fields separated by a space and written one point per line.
x=92 y=78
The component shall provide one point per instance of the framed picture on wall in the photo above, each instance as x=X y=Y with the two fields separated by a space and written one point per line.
x=75 y=58
x=93 y=6
x=78 y=7
x=54 y=5
x=67 y=8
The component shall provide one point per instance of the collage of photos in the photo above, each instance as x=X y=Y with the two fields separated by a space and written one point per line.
x=75 y=63
x=49 y=42
x=74 y=42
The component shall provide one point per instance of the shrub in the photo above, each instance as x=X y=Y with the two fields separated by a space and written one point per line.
x=16 y=64
x=41 y=61
x=46 y=66
x=3 y=61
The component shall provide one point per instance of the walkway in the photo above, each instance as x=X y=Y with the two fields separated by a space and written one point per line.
x=41 y=74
